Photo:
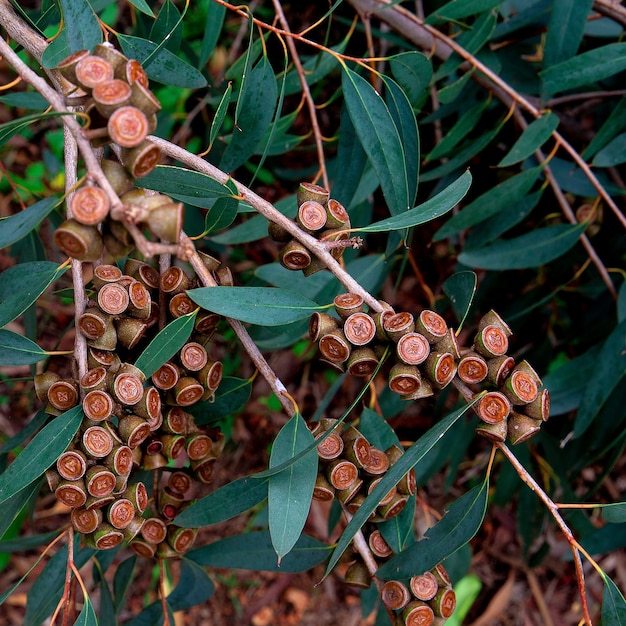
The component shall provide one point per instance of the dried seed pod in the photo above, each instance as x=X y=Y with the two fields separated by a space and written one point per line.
x=98 y=405
x=72 y=493
x=491 y=341
x=143 y=272
x=120 y=460
x=108 y=341
x=378 y=545
x=521 y=427
x=127 y=388
x=63 y=394
x=520 y=388
x=323 y=490
x=331 y=447
x=321 y=324
x=206 y=323
x=131 y=368
x=79 y=241
x=493 y=407
x=294 y=256
x=181 y=539
x=278 y=233
x=387 y=498
x=72 y=465
x=440 y=368
x=139 y=300
x=499 y=368
x=539 y=408
x=43 y=382
x=199 y=446
x=356 y=447
x=527 y=368
x=143 y=548
x=394 y=507
x=311 y=191
x=67 y=67
x=494 y=432
x=472 y=368
x=110 y=53
x=172 y=445
x=100 y=481
x=134 y=430
x=412 y=348
x=110 y=96
x=152 y=445
x=444 y=603
x=85 y=521
x=99 y=502
x=121 y=482
x=448 y=343
x=154 y=530
x=407 y=484
x=89 y=205
x=130 y=331
x=132 y=72
x=142 y=98
x=128 y=126
x=133 y=529
x=105 y=274
x=404 y=379
x=348 y=303
x=149 y=407
x=138 y=495
x=395 y=595
x=121 y=513
x=187 y=391
x=341 y=474
x=193 y=356
x=357 y=575
x=210 y=376
x=169 y=503
x=141 y=159
x=398 y=325
x=113 y=299
x=104 y=358
x=166 y=376
x=418 y=613
x=348 y=494
x=181 y=304
x=441 y=574
x=204 y=469
x=174 y=280
x=311 y=216
x=362 y=362
x=95 y=378
x=359 y=329
x=91 y=71
x=175 y=421
x=493 y=319
x=107 y=537
x=424 y=587
x=378 y=462
x=166 y=221
x=337 y=216
x=179 y=482
x=356 y=503
x=334 y=346
x=431 y=325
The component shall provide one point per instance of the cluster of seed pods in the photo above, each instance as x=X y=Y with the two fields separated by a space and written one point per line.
x=318 y=215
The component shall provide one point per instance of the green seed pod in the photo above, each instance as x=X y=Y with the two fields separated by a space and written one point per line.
x=310 y=191
x=521 y=427
x=79 y=241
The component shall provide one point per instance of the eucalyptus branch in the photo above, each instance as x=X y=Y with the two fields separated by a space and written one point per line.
x=610 y=8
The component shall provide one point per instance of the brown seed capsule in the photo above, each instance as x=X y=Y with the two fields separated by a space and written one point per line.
x=539 y=408
x=113 y=299
x=294 y=256
x=393 y=508
x=362 y=362
x=345 y=496
x=143 y=548
x=278 y=233
x=395 y=595
x=337 y=216
x=204 y=469
x=118 y=176
x=440 y=367
x=378 y=462
x=424 y=587
x=181 y=304
x=520 y=388
x=95 y=378
x=104 y=358
x=139 y=300
x=134 y=430
x=142 y=159
x=43 y=382
x=387 y=498
x=359 y=329
x=311 y=216
x=334 y=346
x=166 y=376
x=356 y=447
x=92 y=71
x=72 y=465
x=105 y=274
x=149 y=407
x=89 y=205
x=127 y=389
x=418 y=613
x=320 y=324
x=412 y=348
x=172 y=445
x=408 y=484
x=181 y=539
x=142 y=98
x=120 y=460
x=133 y=529
x=138 y=495
x=378 y=545
x=154 y=530
x=79 y=241
x=494 y=432
x=111 y=95
x=166 y=221
x=179 y=482
x=431 y=325
x=128 y=126
x=121 y=513
x=341 y=474
x=110 y=53
x=323 y=490
x=493 y=319
x=404 y=379
x=72 y=493
x=310 y=191
x=348 y=303
x=100 y=481
x=491 y=341
x=63 y=394
x=357 y=575
x=493 y=407
x=193 y=356
x=98 y=405
x=131 y=72
x=398 y=325
x=174 y=280
x=169 y=503
x=152 y=445
x=199 y=446
x=472 y=368
x=210 y=376
x=130 y=368
x=441 y=574
x=67 y=66
x=175 y=421
x=444 y=603
x=521 y=427
x=187 y=391
x=448 y=343
x=85 y=521
x=331 y=447
x=107 y=537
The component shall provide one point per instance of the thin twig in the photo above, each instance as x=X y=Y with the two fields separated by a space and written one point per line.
x=68 y=577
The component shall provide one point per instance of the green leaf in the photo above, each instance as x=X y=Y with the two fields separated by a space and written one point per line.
x=611 y=126
x=489 y=203
x=225 y=503
x=17 y=226
x=12 y=506
x=167 y=27
x=220 y=113
x=256 y=106
x=529 y=250
x=80 y=24
x=22 y=284
x=533 y=137
x=433 y=208
x=28 y=542
x=40 y=453
x=26 y=100
x=613 y=604
x=609 y=370
x=290 y=492
x=212 y=30
x=408 y=460
x=8 y=129
x=30 y=429
x=18 y=350
x=57 y=50
x=412 y=71
x=379 y=137
x=221 y=215
x=166 y=344
x=257 y=305
x=142 y=6
x=232 y=394
x=87 y=615
x=122 y=580
x=194 y=587
x=460 y=523
x=614 y=513
x=613 y=153
x=585 y=69
x=185 y=185
x=621 y=303
x=165 y=67
x=458 y=9
x=565 y=30
x=460 y=289
x=254 y=551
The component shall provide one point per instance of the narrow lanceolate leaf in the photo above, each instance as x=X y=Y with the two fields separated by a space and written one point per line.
x=565 y=30
x=166 y=344
x=8 y=129
x=22 y=284
x=256 y=305
x=290 y=492
x=533 y=137
x=185 y=185
x=412 y=71
x=225 y=503
x=379 y=137
x=457 y=9
x=460 y=523
x=221 y=215
x=529 y=250
x=18 y=350
x=460 y=289
x=122 y=581
x=194 y=587
x=407 y=461
x=142 y=6
x=584 y=69
x=212 y=30
x=13 y=505
x=40 y=453
x=81 y=26
x=614 y=513
x=17 y=226
x=254 y=551
x=256 y=106
x=87 y=615
x=609 y=370
x=220 y=113
x=433 y=208
x=613 y=604
x=614 y=153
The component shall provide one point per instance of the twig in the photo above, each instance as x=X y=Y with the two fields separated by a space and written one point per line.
x=68 y=577
x=166 y=613
x=610 y=8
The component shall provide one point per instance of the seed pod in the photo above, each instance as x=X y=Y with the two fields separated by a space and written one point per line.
x=134 y=430
x=166 y=376
x=204 y=469
x=494 y=432
x=346 y=495
x=362 y=362
x=193 y=356
x=187 y=391
x=520 y=388
x=181 y=304
x=98 y=405
x=120 y=460
x=149 y=407
x=539 y=408
x=181 y=539
x=130 y=368
x=174 y=280
x=408 y=484
x=393 y=508
x=67 y=67
x=133 y=529
x=104 y=358
x=92 y=71
x=179 y=482
x=398 y=324
x=348 y=303
x=110 y=53
x=113 y=299
x=412 y=348
x=527 y=368
x=431 y=325
x=404 y=379
x=108 y=341
x=311 y=216
x=143 y=548
x=378 y=545
x=142 y=98
x=472 y=368
x=337 y=216
x=199 y=446
x=331 y=448
x=441 y=574
x=491 y=341
x=175 y=421
x=493 y=319
x=321 y=324
x=359 y=329
x=169 y=503
x=131 y=72
x=52 y=478
x=278 y=233
x=395 y=595
x=356 y=503
x=493 y=407
x=152 y=445
x=378 y=462
x=43 y=382
x=95 y=378
x=127 y=388
x=105 y=274
x=310 y=191
x=323 y=490
x=139 y=300
x=418 y=613
x=206 y=324
x=498 y=368
x=341 y=474
x=72 y=493
x=172 y=445
x=85 y=521
x=357 y=575
x=79 y=241
x=110 y=96
x=89 y=205
x=356 y=447
x=440 y=368
x=521 y=427
x=210 y=376
x=424 y=587
x=63 y=394
x=72 y=465
x=138 y=495
x=154 y=530
x=142 y=159
x=387 y=498
x=294 y=256
x=444 y=603
x=128 y=126
x=121 y=513
x=166 y=221
x=100 y=481
x=107 y=537
x=334 y=346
